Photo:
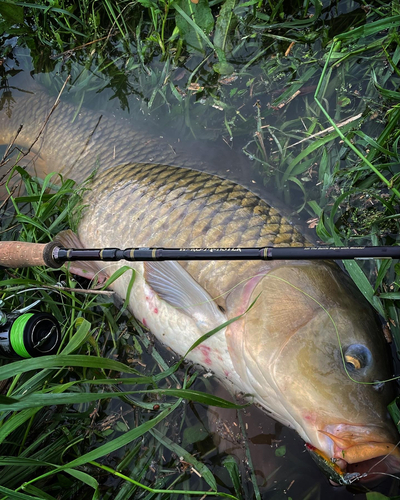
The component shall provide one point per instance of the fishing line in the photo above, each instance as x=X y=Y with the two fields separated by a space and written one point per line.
x=212 y=299
x=218 y=328
x=381 y=460
x=113 y=278
x=23 y=291
x=109 y=281
x=337 y=334
x=239 y=283
x=33 y=304
x=310 y=297
x=382 y=474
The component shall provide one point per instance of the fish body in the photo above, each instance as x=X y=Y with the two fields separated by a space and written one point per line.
x=286 y=351
x=174 y=207
x=75 y=142
x=310 y=351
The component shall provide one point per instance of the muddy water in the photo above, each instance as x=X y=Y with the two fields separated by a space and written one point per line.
x=283 y=467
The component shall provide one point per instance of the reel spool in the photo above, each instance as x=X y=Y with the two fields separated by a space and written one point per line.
x=29 y=335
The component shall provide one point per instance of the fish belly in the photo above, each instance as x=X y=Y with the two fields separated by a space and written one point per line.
x=177 y=330
x=146 y=205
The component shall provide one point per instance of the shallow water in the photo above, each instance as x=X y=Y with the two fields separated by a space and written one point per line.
x=197 y=125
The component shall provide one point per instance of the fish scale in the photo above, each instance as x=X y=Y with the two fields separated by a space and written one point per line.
x=284 y=351
x=175 y=207
x=77 y=142
x=164 y=189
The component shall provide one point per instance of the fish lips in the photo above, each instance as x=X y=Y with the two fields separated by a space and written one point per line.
x=357 y=453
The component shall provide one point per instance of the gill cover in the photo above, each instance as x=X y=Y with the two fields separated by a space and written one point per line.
x=291 y=354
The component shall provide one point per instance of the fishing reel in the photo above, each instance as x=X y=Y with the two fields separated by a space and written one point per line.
x=28 y=334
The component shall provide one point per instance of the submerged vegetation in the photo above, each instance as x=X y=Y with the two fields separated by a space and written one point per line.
x=308 y=91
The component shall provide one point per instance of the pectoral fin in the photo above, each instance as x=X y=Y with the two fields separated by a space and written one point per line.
x=174 y=285
x=89 y=270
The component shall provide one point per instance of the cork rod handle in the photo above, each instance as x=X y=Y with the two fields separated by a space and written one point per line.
x=22 y=254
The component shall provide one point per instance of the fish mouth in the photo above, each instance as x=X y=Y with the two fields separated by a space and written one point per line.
x=356 y=453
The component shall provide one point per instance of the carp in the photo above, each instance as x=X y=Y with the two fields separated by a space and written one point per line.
x=310 y=351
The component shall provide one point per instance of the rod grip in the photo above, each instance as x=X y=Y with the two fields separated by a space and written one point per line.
x=23 y=254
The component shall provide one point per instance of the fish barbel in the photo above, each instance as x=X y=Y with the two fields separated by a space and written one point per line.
x=309 y=351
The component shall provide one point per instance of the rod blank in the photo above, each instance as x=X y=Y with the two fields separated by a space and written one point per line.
x=21 y=254
x=265 y=253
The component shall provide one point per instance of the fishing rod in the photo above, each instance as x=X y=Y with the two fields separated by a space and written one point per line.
x=22 y=254
x=25 y=335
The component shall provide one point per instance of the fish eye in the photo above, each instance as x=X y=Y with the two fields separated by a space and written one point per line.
x=357 y=357
x=352 y=362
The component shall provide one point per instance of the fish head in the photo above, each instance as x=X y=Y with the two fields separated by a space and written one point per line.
x=313 y=354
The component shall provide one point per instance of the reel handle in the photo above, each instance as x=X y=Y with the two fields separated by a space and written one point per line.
x=24 y=254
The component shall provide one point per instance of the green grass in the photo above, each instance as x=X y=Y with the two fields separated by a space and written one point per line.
x=273 y=79
x=68 y=389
